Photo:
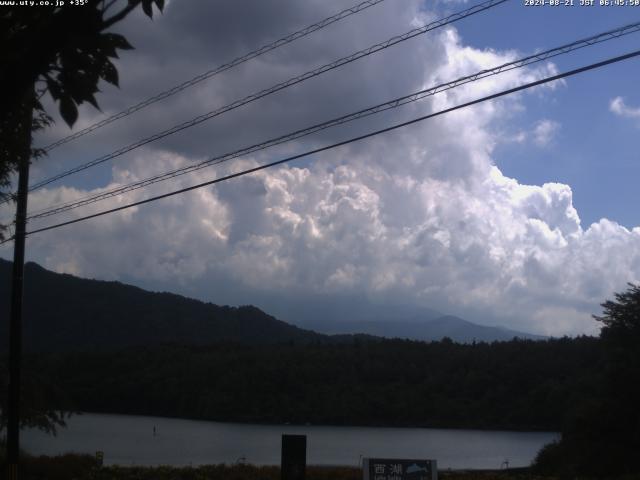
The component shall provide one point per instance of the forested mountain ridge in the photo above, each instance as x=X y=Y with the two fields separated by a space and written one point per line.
x=63 y=312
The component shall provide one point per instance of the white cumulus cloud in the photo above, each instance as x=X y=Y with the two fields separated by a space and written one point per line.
x=545 y=131
x=619 y=107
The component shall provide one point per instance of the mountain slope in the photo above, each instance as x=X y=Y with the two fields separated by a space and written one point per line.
x=63 y=312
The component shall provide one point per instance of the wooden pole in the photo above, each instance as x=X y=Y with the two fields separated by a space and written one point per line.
x=17 y=284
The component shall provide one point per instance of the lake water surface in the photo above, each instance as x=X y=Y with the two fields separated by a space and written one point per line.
x=130 y=440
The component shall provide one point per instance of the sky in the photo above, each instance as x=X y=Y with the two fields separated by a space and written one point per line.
x=517 y=212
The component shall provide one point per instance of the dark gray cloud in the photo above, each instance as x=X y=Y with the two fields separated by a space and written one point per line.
x=198 y=39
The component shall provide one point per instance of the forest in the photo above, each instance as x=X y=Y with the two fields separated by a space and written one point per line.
x=516 y=385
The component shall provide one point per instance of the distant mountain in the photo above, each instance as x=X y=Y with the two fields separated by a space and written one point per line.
x=428 y=329
x=63 y=312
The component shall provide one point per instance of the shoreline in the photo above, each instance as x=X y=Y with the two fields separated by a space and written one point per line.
x=67 y=466
x=318 y=425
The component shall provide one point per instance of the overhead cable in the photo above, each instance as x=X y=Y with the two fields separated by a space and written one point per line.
x=529 y=60
x=345 y=142
x=221 y=68
x=276 y=88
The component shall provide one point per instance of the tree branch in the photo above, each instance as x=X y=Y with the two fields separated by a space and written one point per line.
x=119 y=16
x=108 y=5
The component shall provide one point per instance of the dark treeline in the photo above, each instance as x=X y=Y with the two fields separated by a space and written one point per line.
x=601 y=434
x=507 y=385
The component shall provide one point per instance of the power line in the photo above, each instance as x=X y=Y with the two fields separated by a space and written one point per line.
x=541 y=56
x=10 y=237
x=280 y=86
x=345 y=142
x=221 y=68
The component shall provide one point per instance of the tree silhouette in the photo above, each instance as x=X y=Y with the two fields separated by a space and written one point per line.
x=602 y=438
x=621 y=318
x=63 y=51
x=45 y=405
x=620 y=336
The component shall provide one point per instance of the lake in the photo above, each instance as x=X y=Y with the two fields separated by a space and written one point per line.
x=130 y=440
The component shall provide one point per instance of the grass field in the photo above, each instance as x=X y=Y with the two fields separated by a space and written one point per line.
x=84 y=467
x=81 y=467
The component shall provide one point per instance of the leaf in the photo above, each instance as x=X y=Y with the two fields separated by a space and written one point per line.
x=116 y=41
x=92 y=100
x=81 y=85
x=160 y=4
x=54 y=88
x=147 y=8
x=107 y=48
x=68 y=110
x=109 y=73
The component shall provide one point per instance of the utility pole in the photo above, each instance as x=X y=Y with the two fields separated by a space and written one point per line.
x=17 y=283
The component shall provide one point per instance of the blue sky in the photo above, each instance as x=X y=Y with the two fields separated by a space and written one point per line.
x=595 y=151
